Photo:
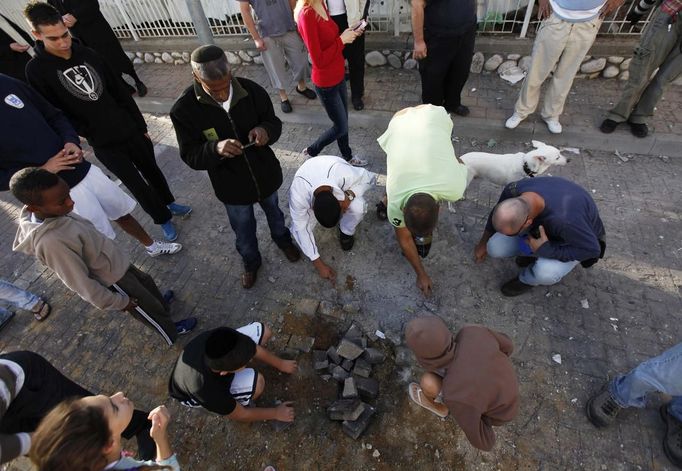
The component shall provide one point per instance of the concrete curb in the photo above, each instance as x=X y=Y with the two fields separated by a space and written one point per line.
x=656 y=144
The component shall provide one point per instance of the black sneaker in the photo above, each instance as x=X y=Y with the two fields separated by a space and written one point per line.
x=639 y=129
x=286 y=106
x=523 y=261
x=602 y=408
x=141 y=89
x=515 y=287
x=672 y=441
x=346 y=240
x=185 y=326
x=608 y=126
x=308 y=93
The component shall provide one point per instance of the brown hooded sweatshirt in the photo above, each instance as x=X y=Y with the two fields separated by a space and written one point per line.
x=86 y=261
x=479 y=386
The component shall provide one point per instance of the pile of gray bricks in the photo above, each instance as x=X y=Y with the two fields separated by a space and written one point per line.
x=350 y=363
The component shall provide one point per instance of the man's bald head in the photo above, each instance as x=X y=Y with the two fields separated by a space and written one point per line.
x=510 y=216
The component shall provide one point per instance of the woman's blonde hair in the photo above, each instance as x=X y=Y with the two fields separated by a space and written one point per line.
x=314 y=4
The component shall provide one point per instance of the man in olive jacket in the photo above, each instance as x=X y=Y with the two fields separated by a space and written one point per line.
x=224 y=125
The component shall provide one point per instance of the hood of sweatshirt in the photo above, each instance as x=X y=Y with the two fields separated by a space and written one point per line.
x=431 y=341
x=29 y=232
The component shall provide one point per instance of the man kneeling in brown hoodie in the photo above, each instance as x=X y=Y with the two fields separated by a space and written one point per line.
x=468 y=375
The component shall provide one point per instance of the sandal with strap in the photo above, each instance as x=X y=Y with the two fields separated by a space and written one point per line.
x=417 y=395
x=41 y=311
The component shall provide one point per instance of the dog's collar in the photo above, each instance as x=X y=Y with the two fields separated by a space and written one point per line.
x=528 y=171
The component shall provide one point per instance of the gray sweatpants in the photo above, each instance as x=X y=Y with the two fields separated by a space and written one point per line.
x=287 y=48
x=658 y=48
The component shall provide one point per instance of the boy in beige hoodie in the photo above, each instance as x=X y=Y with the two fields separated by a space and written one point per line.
x=86 y=261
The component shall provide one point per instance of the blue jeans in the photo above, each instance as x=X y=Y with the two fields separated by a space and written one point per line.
x=335 y=103
x=545 y=271
x=662 y=373
x=17 y=296
x=243 y=224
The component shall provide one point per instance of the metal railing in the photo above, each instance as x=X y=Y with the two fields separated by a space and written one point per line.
x=139 y=19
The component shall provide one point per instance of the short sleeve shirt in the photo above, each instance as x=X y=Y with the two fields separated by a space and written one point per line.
x=273 y=17
x=420 y=159
x=195 y=385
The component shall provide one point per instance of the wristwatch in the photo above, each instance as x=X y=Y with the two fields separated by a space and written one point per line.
x=350 y=195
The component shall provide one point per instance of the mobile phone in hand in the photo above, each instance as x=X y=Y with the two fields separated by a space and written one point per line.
x=360 y=26
x=246 y=146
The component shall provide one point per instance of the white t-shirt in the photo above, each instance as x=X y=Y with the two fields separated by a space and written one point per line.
x=226 y=104
x=336 y=7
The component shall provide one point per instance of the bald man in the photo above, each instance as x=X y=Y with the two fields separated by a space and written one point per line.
x=549 y=224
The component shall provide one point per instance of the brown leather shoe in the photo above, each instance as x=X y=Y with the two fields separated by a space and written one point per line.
x=249 y=279
x=292 y=253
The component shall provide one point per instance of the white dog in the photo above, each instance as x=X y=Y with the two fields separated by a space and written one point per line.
x=507 y=168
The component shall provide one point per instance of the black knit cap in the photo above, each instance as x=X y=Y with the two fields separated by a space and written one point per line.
x=228 y=350
x=206 y=53
x=326 y=208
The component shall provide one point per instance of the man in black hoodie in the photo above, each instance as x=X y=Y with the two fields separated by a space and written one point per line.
x=76 y=80
x=224 y=125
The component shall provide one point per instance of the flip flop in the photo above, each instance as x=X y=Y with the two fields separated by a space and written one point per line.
x=41 y=311
x=416 y=394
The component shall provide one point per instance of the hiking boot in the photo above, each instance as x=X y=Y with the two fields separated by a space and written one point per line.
x=523 y=261
x=292 y=253
x=515 y=287
x=672 y=441
x=639 y=129
x=185 y=326
x=163 y=248
x=346 y=240
x=179 y=209
x=608 y=126
x=169 y=232
x=602 y=408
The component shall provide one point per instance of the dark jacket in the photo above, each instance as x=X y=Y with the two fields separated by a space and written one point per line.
x=33 y=132
x=94 y=99
x=13 y=63
x=200 y=123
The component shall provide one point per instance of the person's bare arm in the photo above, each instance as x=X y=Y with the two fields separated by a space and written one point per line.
x=269 y=358
x=406 y=243
x=245 y=9
x=283 y=412
x=418 y=29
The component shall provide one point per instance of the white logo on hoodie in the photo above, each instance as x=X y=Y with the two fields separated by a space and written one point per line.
x=82 y=82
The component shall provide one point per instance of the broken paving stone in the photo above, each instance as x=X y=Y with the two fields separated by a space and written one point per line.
x=348 y=349
x=354 y=332
x=362 y=368
x=347 y=365
x=329 y=309
x=333 y=356
x=320 y=361
x=339 y=374
x=326 y=377
x=355 y=428
x=403 y=356
x=367 y=387
x=373 y=356
x=289 y=353
x=346 y=409
x=302 y=344
x=349 y=389
x=307 y=306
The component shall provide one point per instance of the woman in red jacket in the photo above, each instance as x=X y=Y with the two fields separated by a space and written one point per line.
x=321 y=36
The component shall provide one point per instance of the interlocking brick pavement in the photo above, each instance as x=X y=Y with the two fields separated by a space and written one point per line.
x=634 y=312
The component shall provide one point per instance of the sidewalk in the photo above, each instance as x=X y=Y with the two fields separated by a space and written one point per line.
x=489 y=98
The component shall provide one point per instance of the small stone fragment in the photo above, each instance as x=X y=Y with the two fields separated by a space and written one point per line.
x=367 y=387
x=373 y=356
x=331 y=310
x=355 y=428
x=333 y=356
x=362 y=368
x=375 y=59
x=592 y=66
x=403 y=356
x=346 y=409
x=353 y=332
x=513 y=57
x=477 y=63
x=557 y=358
x=339 y=374
x=585 y=303
x=493 y=62
x=410 y=64
x=307 y=306
x=349 y=389
x=376 y=454
x=320 y=361
x=394 y=61
x=348 y=349
x=244 y=56
x=303 y=344
x=347 y=365
x=610 y=71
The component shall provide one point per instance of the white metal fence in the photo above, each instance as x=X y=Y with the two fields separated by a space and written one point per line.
x=139 y=19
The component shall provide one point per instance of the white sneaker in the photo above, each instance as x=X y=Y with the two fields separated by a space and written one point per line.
x=553 y=125
x=163 y=248
x=357 y=162
x=513 y=121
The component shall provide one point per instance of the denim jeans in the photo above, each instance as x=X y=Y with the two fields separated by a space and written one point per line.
x=545 y=271
x=243 y=223
x=335 y=103
x=662 y=373
x=17 y=296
